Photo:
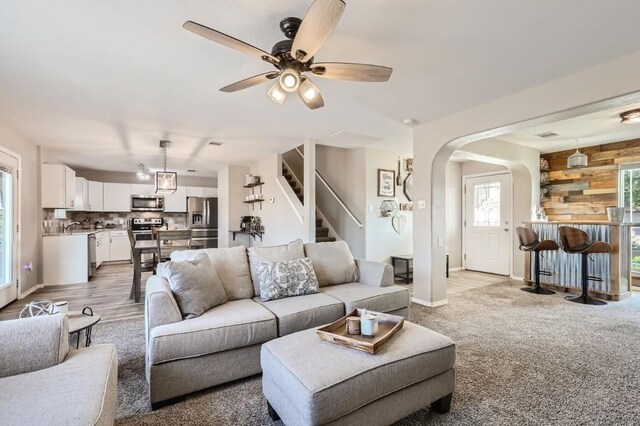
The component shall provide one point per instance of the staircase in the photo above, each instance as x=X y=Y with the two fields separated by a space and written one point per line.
x=322 y=233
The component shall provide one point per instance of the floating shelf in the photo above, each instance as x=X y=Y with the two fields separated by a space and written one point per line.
x=253 y=185
x=251 y=233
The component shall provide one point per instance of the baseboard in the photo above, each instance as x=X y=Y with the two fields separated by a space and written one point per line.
x=31 y=290
x=429 y=304
x=457 y=268
x=514 y=277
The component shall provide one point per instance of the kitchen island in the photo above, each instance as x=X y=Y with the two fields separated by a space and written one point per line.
x=614 y=268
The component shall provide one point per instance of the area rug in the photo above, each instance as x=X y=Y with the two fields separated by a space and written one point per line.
x=522 y=359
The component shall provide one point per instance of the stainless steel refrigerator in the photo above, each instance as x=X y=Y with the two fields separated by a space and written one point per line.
x=202 y=219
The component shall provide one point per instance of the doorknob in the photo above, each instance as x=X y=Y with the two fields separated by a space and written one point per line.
x=506 y=229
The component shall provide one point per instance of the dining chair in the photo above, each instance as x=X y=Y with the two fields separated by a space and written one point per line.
x=145 y=265
x=170 y=241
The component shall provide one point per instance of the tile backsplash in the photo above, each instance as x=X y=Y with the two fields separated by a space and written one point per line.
x=119 y=220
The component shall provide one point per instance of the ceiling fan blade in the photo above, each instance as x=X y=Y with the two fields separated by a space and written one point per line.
x=351 y=72
x=310 y=94
x=317 y=25
x=228 y=41
x=249 y=82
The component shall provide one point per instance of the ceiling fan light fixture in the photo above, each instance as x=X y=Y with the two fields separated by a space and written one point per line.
x=277 y=94
x=309 y=90
x=290 y=80
x=630 y=117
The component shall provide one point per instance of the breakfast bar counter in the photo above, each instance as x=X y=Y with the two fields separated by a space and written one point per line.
x=614 y=268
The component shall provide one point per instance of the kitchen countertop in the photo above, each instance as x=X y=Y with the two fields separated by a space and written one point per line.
x=81 y=232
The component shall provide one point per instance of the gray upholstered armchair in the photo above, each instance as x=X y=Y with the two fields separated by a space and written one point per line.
x=42 y=382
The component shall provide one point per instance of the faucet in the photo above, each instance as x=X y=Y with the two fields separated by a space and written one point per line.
x=69 y=225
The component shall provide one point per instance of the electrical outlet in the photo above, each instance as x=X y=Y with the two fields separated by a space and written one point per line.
x=422 y=204
x=272 y=200
x=371 y=207
x=440 y=242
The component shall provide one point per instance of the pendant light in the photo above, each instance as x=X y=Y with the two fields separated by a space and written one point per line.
x=142 y=172
x=577 y=159
x=166 y=182
x=630 y=117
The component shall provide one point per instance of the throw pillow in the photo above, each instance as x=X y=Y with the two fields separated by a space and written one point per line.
x=287 y=278
x=293 y=250
x=195 y=284
x=232 y=266
x=333 y=262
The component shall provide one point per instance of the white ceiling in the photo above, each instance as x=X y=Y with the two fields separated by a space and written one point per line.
x=598 y=128
x=99 y=83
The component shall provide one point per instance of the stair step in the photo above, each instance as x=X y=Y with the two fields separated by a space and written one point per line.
x=322 y=232
x=318 y=222
x=324 y=239
x=287 y=176
x=296 y=189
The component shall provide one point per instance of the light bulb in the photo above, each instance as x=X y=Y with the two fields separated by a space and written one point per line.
x=277 y=94
x=308 y=90
x=289 y=80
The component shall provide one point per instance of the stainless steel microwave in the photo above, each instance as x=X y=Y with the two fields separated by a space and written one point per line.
x=147 y=203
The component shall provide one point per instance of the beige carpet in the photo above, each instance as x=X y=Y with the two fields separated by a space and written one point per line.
x=523 y=359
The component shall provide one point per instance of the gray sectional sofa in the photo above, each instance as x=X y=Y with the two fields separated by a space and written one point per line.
x=41 y=382
x=223 y=344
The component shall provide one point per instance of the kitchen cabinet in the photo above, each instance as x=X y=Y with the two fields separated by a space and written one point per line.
x=119 y=246
x=138 y=189
x=176 y=202
x=102 y=247
x=210 y=192
x=96 y=196
x=58 y=183
x=195 y=191
x=82 y=195
x=117 y=197
x=66 y=259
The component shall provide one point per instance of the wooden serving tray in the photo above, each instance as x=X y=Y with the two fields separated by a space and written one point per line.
x=336 y=332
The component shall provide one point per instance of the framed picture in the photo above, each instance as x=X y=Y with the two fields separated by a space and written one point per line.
x=386 y=183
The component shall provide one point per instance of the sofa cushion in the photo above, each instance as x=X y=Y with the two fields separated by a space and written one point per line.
x=288 y=278
x=380 y=299
x=333 y=262
x=235 y=324
x=232 y=267
x=293 y=250
x=300 y=313
x=194 y=283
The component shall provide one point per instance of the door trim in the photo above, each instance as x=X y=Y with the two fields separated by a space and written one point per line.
x=464 y=212
x=17 y=260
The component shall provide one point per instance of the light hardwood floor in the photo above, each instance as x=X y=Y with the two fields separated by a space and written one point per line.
x=107 y=293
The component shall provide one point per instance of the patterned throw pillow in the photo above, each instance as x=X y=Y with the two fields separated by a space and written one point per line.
x=286 y=278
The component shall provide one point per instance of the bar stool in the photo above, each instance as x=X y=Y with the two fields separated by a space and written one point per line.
x=575 y=240
x=529 y=242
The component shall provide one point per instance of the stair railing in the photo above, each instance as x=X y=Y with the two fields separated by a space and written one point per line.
x=333 y=193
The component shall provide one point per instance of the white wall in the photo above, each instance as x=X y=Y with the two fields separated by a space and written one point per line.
x=230 y=204
x=280 y=222
x=381 y=239
x=31 y=228
x=121 y=177
x=477 y=167
x=434 y=142
x=453 y=210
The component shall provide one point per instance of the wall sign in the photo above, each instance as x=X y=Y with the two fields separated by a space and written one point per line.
x=386 y=183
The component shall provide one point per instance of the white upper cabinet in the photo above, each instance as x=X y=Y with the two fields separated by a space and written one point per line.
x=210 y=192
x=195 y=191
x=82 y=195
x=96 y=196
x=117 y=197
x=58 y=185
x=176 y=202
x=138 y=189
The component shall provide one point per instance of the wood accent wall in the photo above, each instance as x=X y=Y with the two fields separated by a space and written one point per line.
x=584 y=194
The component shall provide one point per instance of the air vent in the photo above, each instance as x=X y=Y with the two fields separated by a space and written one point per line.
x=191 y=171
x=546 y=135
x=215 y=143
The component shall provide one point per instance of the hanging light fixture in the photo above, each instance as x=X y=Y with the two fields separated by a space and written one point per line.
x=577 y=159
x=166 y=182
x=630 y=117
x=142 y=172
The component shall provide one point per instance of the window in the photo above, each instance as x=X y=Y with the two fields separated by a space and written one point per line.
x=5 y=227
x=630 y=200
x=486 y=205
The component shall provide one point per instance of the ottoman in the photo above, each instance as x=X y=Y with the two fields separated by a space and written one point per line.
x=307 y=381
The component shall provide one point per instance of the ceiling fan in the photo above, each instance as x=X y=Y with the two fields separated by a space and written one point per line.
x=294 y=57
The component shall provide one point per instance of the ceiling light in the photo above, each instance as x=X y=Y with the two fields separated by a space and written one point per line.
x=276 y=93
x=289 y=80
x=630 y=117
x=409 y=122
x=577 y=159
x=142 y=173
x=309 y=90
x=166 y=182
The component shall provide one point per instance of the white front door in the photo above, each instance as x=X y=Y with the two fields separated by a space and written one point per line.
x=487 y=224
x=8 y=229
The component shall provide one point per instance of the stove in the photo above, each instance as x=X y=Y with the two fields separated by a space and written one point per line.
x=142 y=227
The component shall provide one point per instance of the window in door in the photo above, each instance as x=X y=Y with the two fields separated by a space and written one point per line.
x=6 y=227
x=487 y=204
